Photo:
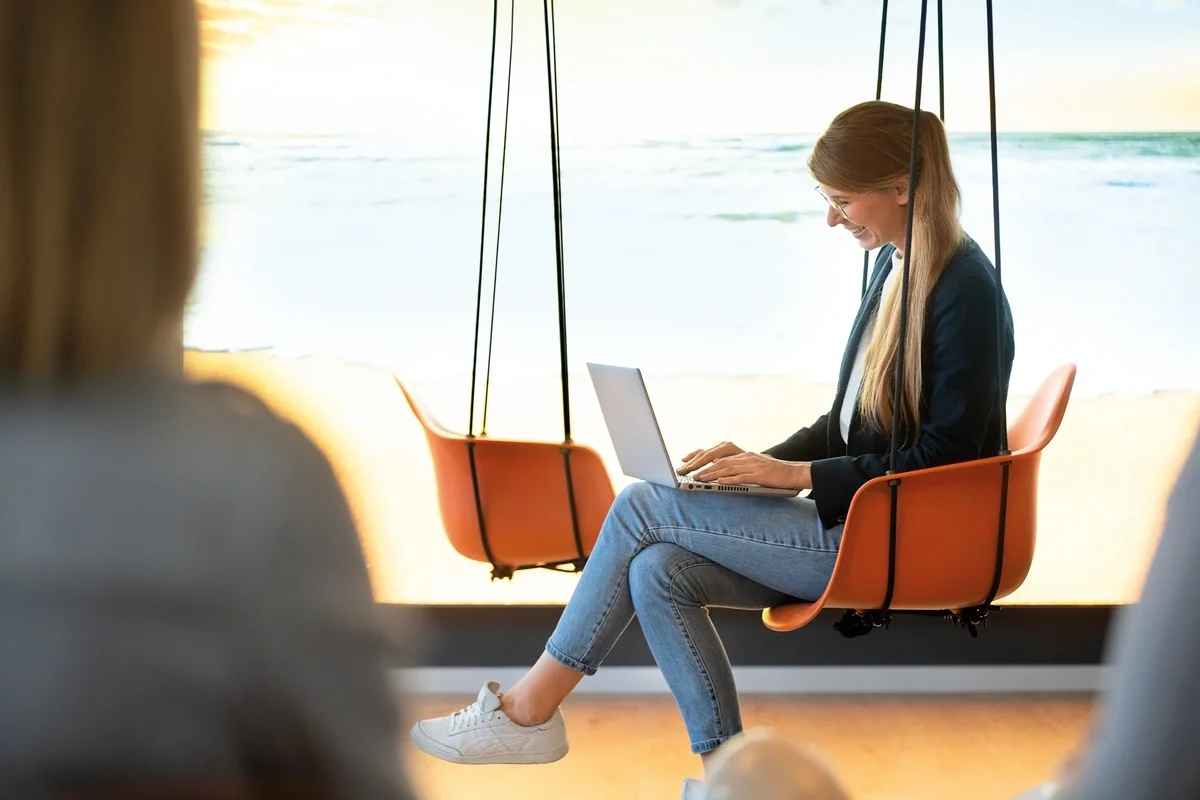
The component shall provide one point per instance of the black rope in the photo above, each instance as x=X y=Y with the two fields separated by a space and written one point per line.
x=1001 y=389
x=898 y=371
x=882 y=49
x=1000 y=401
x=487 y=150
x=557 y=154
x=941 y=65
x=487 y=380
x=561 y=274
x=913 y=174
x=878 y=95
x=499 y=571
x=552 y=80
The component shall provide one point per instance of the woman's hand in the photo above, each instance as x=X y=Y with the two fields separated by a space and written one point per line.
x=702 y=458
x=728 y=463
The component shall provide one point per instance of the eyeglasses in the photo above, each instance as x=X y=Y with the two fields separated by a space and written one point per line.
x=838 y=207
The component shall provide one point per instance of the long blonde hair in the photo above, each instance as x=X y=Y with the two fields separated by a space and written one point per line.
x=99 y=184
x=867 y=148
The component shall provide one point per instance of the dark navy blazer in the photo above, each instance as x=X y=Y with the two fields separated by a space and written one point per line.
x=960 y=415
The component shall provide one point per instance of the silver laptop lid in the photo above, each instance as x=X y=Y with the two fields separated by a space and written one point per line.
x=631 y=423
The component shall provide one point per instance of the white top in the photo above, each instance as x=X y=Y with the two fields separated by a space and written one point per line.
x=850 y=399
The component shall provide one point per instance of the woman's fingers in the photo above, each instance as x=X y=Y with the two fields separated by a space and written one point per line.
x=694 y=461
x=740 y=468
x=724 y=466
x=703 y=457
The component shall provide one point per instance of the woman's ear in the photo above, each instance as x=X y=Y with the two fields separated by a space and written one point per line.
x=900 y=191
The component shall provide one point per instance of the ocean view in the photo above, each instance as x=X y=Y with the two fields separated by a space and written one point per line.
x=703 y=256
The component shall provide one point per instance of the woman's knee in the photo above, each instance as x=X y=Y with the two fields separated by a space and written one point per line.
x=639 y=496
x=636 y=508
x=656 y=572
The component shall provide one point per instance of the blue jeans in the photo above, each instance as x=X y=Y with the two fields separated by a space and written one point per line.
x=667 y=555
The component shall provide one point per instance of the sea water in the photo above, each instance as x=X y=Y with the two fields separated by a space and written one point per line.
x=703 y=256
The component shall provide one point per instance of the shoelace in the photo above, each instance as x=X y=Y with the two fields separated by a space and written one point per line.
x=471 y=715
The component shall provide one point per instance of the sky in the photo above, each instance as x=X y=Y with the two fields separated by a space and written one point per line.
x=666 y=68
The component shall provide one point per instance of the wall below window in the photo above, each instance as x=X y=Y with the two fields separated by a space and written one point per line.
x=1023 y=649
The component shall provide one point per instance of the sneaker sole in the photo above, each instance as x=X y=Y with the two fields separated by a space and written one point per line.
x=437 y=750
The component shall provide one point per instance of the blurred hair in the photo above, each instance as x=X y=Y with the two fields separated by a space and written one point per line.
x=763 y=765
x=99 y=184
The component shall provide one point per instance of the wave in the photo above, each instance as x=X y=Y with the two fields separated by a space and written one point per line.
x=765 y=144
x=1131 y=184
x=767 y=216
x=309 y=159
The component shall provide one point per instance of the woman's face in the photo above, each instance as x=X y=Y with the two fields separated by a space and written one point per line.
x=872 y=218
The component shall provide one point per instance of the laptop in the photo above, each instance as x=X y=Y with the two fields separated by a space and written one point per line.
x=638 y=440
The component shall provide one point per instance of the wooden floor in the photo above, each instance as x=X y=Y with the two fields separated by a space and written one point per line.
x=883 y=748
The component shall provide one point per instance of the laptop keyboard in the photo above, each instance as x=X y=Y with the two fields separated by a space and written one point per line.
x=720 y=487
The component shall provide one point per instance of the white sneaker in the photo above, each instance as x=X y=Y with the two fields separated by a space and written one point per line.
x=692 y=789
x=483 y=734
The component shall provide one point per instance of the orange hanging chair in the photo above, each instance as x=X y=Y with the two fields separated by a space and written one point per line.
x=947 y=540
x=947 y=522
x=518 y=504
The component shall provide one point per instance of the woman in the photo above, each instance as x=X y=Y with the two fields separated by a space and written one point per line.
x=185 y=603
x=666 y=555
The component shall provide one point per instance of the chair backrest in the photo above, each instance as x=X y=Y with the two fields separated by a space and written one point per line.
x=424 y=416
x=948 y=519
x=1039 y=420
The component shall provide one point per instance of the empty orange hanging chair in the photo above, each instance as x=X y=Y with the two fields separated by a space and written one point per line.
x=952 y=539
x=518 y=504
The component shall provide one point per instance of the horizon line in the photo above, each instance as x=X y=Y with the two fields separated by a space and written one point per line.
x=440 y=135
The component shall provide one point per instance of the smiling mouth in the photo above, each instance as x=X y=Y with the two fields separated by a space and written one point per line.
x=858 y=231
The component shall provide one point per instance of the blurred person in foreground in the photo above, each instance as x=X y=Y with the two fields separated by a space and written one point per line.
x=763 y=765
x=185 y=609
x=1143 y=744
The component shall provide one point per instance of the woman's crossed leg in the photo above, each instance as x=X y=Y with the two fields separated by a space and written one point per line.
x=665 y=555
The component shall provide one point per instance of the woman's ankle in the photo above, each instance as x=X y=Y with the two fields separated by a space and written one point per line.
x=520 y=711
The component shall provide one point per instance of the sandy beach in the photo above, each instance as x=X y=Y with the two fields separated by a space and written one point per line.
x=1104 y=480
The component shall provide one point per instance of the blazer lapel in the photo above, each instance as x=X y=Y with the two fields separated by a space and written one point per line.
x=865 y=312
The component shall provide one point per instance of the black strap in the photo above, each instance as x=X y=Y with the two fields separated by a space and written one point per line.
x=941 y=64
x=566 y=454
x=878 y=94
x=497 y=570
x=552 y=83
x=487 y=380
x=898 y=372
x=556 y=173
x=556 y=177
x=487 y=151
x=913 y=176
x=1000 y=387
x=1000 y=400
